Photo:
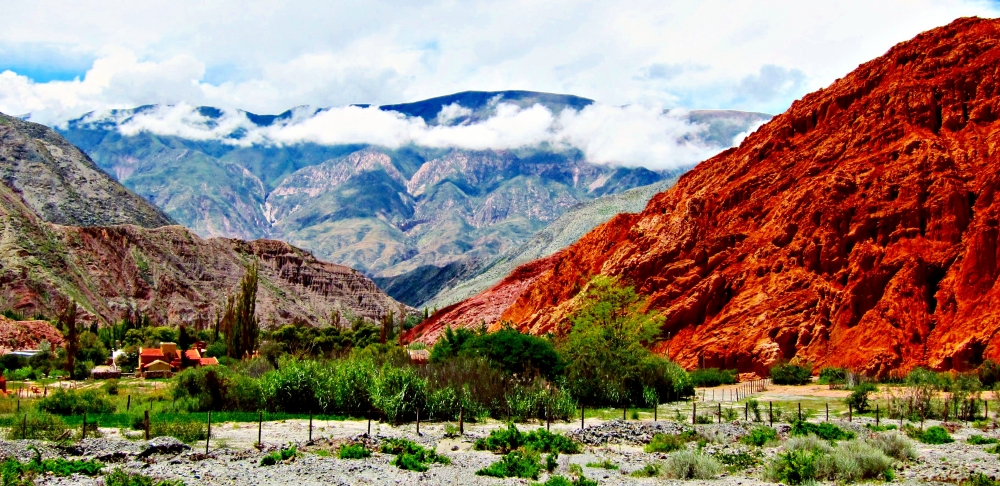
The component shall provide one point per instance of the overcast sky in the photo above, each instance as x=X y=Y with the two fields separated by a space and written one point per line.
x=62 y=59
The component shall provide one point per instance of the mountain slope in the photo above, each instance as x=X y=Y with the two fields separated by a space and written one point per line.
x=168 y=273
x=857 y=229
x=385 y=211
x=62 y=184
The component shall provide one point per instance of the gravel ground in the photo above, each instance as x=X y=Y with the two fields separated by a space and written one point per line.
x=233 y=459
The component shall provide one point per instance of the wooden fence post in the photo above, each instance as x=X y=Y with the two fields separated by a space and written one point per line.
x=260 y=428
x=876 y=415
x=720 y=413
x=418 y=421
x=827 y=411
x=208 y=437
x=461 y=420
x=83 y=433
x=770 y=413
x=145 y=423
x=128 y=403
x=694 y=413
x=582 y=406
x=850 y=413
x=24 y=428
x=311 y=425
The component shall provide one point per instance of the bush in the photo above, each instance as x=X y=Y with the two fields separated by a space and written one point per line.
x=981 y=440
x=650 y=470
x=121 y=477
x=794 y=466
x=278 y=456
x=688 y=464
x=739 y=461
x=502 y=441
x=353 y=451
x=980 y=479
x=832 y=376
x=411 y=456
x=894 y=445
x=668 y=442
x=561 y=481
x=73 y=402
x=789 y=374
x=989 y=373
x=110 y=387
x=854 y=461
x=216 y=388
x=759 y=436
x=184 y=430
x=825 y=431
x=39 y=427
x=859 y=397
x=935 y=435
x=707 y=377
x=605 y=464
x=516 y=464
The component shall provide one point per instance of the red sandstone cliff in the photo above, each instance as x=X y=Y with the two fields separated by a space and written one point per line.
x=859 y=228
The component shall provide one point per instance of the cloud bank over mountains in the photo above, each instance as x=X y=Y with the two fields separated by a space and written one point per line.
x=634 y=135
x=59 y=60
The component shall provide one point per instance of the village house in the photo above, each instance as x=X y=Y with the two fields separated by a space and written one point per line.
x=162 y=362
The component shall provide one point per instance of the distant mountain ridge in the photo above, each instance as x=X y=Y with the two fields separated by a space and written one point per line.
x=384 y=211
x=69 y=231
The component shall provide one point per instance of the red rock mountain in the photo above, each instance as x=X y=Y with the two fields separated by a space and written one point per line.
x=859 y=228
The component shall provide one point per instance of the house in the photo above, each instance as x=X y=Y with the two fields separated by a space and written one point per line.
x=419 y=356
x=167 y=359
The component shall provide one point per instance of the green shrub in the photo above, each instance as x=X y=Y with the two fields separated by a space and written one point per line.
x=687 y=464
x=121 y=477
x=411 y=456
x=935 y=435
x=551 y=461
x=795 y=466
x=708 y=377
x=353 y=451
x=979 y=479
x=989 y=373
x=894 y=445
x=880 y=428
x=650 y=470
x=17 y=473
x=994 y=450
x=74 y=402
x=605 y=464
x=789 y=374
x=516 y=464
x=981 y=440
x=824 y=430
x=278 y=456
x=502 y=441
x=759 y=436
x=110 y=387
x=184 y=430
x=858 y=398
x=562 y=481
x=39 y=427
x=740 y=460
x=668 y=442
x=832 y=376
x=854 y=461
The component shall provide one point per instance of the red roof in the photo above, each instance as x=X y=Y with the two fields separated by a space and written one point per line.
x=192 y=354
x=152 y=352
x=208 y=361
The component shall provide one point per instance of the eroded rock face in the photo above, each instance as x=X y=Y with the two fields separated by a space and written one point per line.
x=857 y=229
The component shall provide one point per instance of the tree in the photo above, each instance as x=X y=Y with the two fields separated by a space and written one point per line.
x=240 y=323
x=67 y=322
x=517 y=353
x=184 y=338
x=605 y=349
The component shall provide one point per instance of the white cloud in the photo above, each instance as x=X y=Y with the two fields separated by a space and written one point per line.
x=268 y=56
x=631 y=135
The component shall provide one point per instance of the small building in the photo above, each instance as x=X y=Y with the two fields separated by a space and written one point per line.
x=105 y=373
x=172 y=358
x=419 y=356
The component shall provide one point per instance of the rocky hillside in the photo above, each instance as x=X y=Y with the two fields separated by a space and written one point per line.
x=859 y=228
x=62 y=185
x=387 y=212
x=169 y=273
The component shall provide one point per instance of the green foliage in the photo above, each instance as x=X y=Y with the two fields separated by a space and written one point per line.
x=353 y=451
x=979 y=479
x=650 y=470
x=794 y=466
x=516 y=464
x=880 y=428
x=832 y=376
x=551 y=461
x=604 y=464
x=121 y=477
x=824 y=430
x=398 y=392
x=935 y=435
x=502 y=441
x=17 y=473
x=451 y=344
x=894 y=445
x=989 y=374
x=278 y=456
x=562 y=481
x=607 y=359
x=110 y=387
x=508 y=349
x=789 y=374
x=739 y=460
x=75 y=402
x=39 y=426
x=411 y=456
x=240 y=324
x=854 y=461
x=185 y=430
x=668 y=442
x=707 y=377
x=760 y=436
x=858 y=398
x=217 y=388
x=688 y=464
x=982 y=440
